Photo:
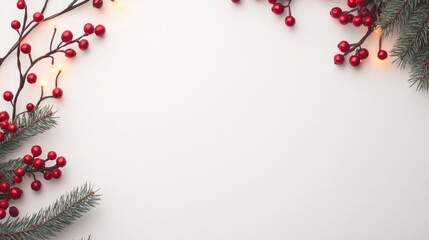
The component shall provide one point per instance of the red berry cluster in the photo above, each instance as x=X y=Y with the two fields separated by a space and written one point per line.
x=278 y=8
x=362 y=13
x=6 y=126
x=32 y=165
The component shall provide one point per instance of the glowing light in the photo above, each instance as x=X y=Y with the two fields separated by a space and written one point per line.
x=44 y=83
x=53 y=68
x=54 y=24
x=378 y=29
x=60 y=67
x=118 y=3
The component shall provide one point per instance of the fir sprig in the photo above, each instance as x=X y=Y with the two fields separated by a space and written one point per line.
x=7 y=169
x=53 y=219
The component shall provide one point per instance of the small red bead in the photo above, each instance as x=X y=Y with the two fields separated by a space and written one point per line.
x=2 y=136
x=15 y=24
x=354 y=60
x=25 y=48
x=20 y=172
x=27 y=159
x=357 y=21
x=67 y=36
x=4 y=204
x=235 y=1
x=4 y=124
x=31 y=78
x=336 y=12
x=8 y=96
x=56 y=173
x=38 y=17
x=61 y=162
x=368 y=21
x=97 y=3
x=38 y=163
x=36 y=150
x=70 y=53
x=15 y=193
x=30 y=107
x=57 y=93
x=364 y=12
x=278 y=8
x=2 y=213
x=52 y=155
x=363 y=53
x=338 y=59
x=4 y=186
x=36 y=185
x=343 y=19
x=12 y=128
x=47 y=175
x=17 y=179
x=88 y=28
x=350 y=16
x=360 y=2
x=343 y=46
x=290 y=21
x=382 y=54
x=100 y=30
x=272 y=1
x=352 y=3
x=83 y=44
x=20 y=4
x=4 y=116
x=13 y=211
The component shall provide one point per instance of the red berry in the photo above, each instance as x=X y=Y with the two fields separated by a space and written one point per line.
x=27 y=159
x=360 y=2
x=13 y=211
x=61 y=162
x=357 y=21
x=47 y=175
x=272 y=1
x=38 y=163
x=4 y=186
x=20 y=172
x=36 y=150
x=20 y=4
x=97 y=3
x=31 y=78
x=382 y=54
x=12 y=128
x=352 y=3
x=36 y=185
x=15 y=24
x=38 y=17
x=344 y=46
x=56 y=173
x=15 y=193
x=354 y=60
x=88 y=28
x=83 y=44
x=343 y=19
x=350 y=16
x=235 y=1
x=4 y=204
x=57 y=93
x=336 y=12
x=2 y=213
x=52 y=155
x=364 y=12
x=278 y=8
x=2 y=136
x=363 y=53
x=338 y=59
x=4 y=124
x=25 y=48
x=100 y=30
x=17 y=179
x=67 y=36
x=290 y=21
x=70 y=53
x=8 y=96
x=30 y=107
x=368 y=21
x=4 y=116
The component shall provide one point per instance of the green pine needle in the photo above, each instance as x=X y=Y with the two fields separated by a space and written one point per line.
x=48 y=221
x=7 y=169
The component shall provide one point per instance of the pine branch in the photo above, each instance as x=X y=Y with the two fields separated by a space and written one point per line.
x=7 y=169
x=419 y=74
x=53 y=219
x=413 y=36
x=29 y=125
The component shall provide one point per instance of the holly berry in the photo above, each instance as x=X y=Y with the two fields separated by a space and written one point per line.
x=83 y=44
x=56 y=173
x=15 y=193
x=364 y=12
x=38 y=163
x=12 y=128
x=20 y=4
x=31 y=78
x=52 y=155
x=4 y=124
x=25 y=48
x=343 y=46
x=382 y=54
x=338 y=59
x=57 y=93
x=61 y=162
x=4 y=116
x=354 y=60
x=36 y=150
x=343 y=19
x=100 y=30
x=4 y=204
x=30 y=107
x=27 y=159
x=15 y=24
x=360 y=2
x=277 y=8
x=2 y=136
x=36 y=185
x=17 y=179
x=70 y=53
x=2 y=213
x=13 y=211
x=352 y=3
x=20 y=172
x=88 y=28
x=290 y=21
x=4 y=186
x=357 y=21
x=67 y=36
x=363 y=53
x=235 y=1
x=47 y=175
x=336 y=12
x=8 y=96
x=368 y=21
x=38 y=16
x=97 y=3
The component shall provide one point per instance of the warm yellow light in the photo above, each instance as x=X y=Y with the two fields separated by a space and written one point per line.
x=44 y=83
x=60 y=67
x=378 y=29
x=53 y=68
x=54 y=24
x=118 y=3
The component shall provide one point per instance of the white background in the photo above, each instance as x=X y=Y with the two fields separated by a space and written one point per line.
x=209 y=120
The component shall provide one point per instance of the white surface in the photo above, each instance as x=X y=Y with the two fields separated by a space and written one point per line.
x=206 y=120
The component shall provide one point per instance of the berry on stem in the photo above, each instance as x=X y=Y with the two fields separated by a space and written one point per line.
x=97 y=3
x=12 y=128
x=31 y=78
x=338 y=59
x=336 y=12
x=278 y=8
x=8 y=96
x=25 y=48
x=15 y=193
x=382 y=54
x=36 y=185
x=36 y=150
x=290 y=21
x=38 y=16
x=354 y=60
x=30 y=107
x=83 y=44
x=70 y=53
x=57 y=93
x=15 y=24
x=13 y=211
x=61 y=162
x=67 y=36
x=88 y=28
x=343 y=46
x=20 y=4
x=363 y=53
x=56 y=173
x=100 y=30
